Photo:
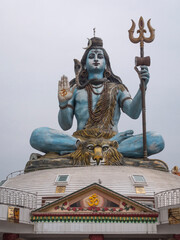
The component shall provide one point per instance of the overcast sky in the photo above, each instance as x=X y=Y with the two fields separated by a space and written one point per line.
x=39 y=40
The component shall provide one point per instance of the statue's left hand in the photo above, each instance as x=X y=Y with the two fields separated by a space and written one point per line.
x=144 y=74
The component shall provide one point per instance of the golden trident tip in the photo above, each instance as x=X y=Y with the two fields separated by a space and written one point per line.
x=141 y=32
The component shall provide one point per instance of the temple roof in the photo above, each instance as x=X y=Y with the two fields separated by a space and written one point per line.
x=99 y=189
x=121 y=179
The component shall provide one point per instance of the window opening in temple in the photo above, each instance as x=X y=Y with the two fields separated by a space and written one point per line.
x=62 y=178
x=138 y=179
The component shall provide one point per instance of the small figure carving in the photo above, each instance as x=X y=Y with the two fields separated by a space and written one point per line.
x=176 y=170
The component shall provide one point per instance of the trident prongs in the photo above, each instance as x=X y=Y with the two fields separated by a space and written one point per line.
x=141 y=32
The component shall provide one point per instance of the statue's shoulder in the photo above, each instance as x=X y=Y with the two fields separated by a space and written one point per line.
x=117 y=86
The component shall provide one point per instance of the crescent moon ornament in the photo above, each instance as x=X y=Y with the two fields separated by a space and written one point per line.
x=89 y=44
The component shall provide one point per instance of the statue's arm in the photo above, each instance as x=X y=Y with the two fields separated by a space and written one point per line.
x=66 y=113
x=66 y=98
x=133 y=107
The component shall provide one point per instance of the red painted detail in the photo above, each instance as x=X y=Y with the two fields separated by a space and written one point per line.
x=98 y=214
x=10 y=236
x=176 y=236
x=96 y=237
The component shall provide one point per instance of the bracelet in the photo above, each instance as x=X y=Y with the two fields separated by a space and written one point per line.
x=68 y=105
x=124 y=101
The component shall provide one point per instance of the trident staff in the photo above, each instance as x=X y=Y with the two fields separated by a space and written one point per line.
x=140 y=61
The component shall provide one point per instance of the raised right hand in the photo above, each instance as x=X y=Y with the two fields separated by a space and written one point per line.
x=64 y=92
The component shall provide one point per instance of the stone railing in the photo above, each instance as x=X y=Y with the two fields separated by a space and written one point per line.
x=14 y=174
x=18 y=198
x=167 y=198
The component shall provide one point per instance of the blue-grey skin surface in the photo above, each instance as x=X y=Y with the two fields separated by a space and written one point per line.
x=48 y=140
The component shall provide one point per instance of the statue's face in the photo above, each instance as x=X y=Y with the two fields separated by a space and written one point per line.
x=95 y=62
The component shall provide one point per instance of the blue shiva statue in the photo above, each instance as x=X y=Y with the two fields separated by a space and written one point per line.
x=96 y=97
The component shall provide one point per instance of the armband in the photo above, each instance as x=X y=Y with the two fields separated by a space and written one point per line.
x=124 y=101
x=67 y=105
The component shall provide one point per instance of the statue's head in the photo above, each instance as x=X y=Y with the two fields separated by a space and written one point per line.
x=95 y=61
x=95 y=47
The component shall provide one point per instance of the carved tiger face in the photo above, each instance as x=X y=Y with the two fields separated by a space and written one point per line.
x=97 y=152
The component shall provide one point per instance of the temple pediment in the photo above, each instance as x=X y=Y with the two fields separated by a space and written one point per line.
x=95 y=203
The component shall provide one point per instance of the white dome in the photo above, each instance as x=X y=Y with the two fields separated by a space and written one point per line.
x=116 y=178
